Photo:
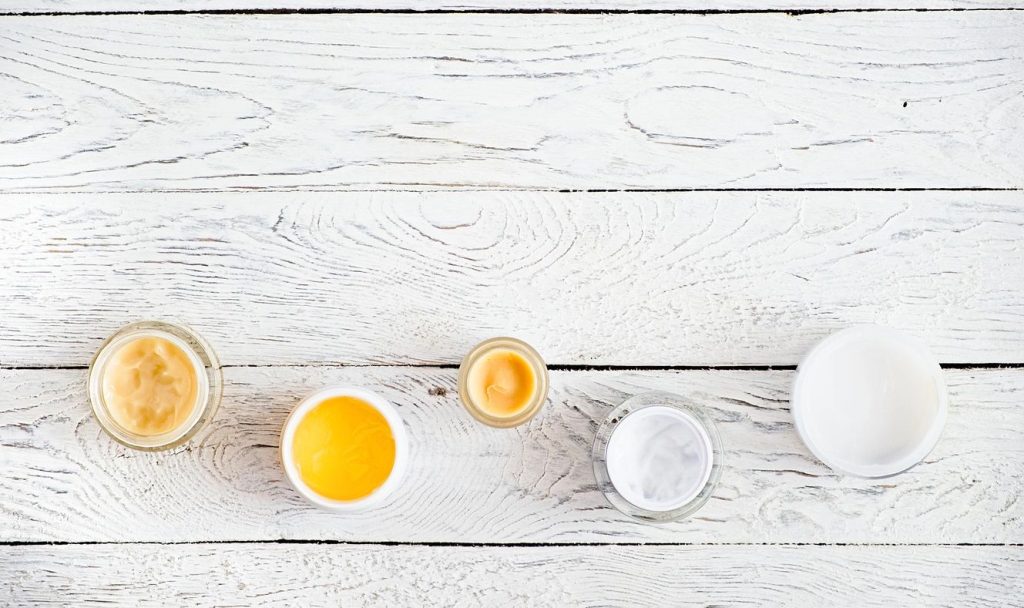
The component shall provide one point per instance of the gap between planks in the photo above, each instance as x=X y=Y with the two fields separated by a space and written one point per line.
x=393 y=543
x=712 y=11
x=552 y=367
x=508 y=11
x=469 y=190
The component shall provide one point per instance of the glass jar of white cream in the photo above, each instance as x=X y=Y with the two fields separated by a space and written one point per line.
x=657 y=457
x=154 y=385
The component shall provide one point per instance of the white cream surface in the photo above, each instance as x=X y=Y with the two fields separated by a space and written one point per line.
x=869 y=402
x=659 y=458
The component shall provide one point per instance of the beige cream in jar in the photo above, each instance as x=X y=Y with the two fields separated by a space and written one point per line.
x=503 y=382
x=153 y=385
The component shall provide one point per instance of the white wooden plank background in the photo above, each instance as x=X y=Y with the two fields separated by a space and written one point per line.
x=472 y=484
x=274 y=575
x=92 y=6
x=288 y=284
x=895 y=99
x=589 y=278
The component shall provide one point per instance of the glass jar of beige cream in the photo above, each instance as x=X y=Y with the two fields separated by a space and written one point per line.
x=503 y=382
x=154 y=385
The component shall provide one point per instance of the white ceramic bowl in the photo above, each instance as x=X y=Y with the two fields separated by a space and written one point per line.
x=869 y=401
x=394 y=421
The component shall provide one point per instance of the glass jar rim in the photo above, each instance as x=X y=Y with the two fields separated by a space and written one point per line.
x=208 y=375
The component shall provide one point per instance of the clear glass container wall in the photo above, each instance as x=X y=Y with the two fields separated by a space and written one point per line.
x=615 y=418
x=209 y=379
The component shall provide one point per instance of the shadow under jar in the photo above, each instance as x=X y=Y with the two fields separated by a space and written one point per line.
x=657 y=457
x=154 y=385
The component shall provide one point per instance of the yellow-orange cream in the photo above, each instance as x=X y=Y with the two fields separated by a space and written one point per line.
x=502 y=382
x=344 y=448
x=150 y=386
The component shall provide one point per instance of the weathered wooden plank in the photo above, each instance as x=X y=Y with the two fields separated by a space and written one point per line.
x=66 y=481
x=86 y=6
x=512 y=101
x=278 y=575
x=599 y=278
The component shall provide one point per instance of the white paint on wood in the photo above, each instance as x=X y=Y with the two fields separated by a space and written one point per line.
x=512 y=101
x=418 y=278
x=314 y=575
x=64 y=480
x=507 y=101
x=79 y=6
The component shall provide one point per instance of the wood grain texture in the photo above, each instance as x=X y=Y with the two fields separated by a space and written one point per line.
x=512 y=101
x=85 y=6
x=598 y=278
x=66 y=481
x=305 y=575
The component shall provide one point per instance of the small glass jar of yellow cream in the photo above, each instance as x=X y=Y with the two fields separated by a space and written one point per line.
x=503 y=382
x=154 y=385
